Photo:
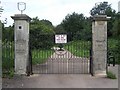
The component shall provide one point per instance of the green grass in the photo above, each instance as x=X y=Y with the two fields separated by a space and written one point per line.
x=111 y=75
x=79 y=48
x=40 y=56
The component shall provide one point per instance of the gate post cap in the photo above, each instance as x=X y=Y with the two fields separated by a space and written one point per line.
x=100 y=18
x=21 y=17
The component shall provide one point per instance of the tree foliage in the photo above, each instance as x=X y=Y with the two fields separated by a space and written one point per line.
x=77 y=26
x=7 y=33
x=102 y=8
x=59 y=29
x=73 y=23
x=41 y=34
x=116 y=26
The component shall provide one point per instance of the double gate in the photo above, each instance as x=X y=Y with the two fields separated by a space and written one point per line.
x=70 y=56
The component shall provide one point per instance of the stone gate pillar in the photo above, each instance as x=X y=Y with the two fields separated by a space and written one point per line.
x=21 y=38
x=0 y=55
x=99 y=44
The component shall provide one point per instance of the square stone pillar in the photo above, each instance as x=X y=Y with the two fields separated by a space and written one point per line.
x=99 y=44
x=0 y=55
x=21 y=38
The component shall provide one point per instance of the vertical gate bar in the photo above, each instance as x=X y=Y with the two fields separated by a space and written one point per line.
x=76 y=59
x=40 y=68
x=45 y=63
x=33 y=56
x=57 y=62
x=87 y=56
x=51 y=57
x=34 y=52
x=83 y=56
x=46 y=53
x=85 y=46
x=51 y=50
x=79 y=53
x=79 y=56
x=8 y=58
x=67 y=62
x=8 y=53
x=4 y=50
x=72 y=58
x=63 y=64
x=38 y=56
x=54 y=61
x=42 y=71
x=72 y=61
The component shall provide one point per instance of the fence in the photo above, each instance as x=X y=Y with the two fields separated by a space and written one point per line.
x=7 y=53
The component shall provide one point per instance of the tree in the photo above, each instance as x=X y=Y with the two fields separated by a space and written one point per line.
x=102 y=8
x=116 y=26
x=59 y=29
x=77 y=26
x=8 y=33
x=73 y=23
x=41 y=34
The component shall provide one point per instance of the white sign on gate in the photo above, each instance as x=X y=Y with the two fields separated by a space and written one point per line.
x=61 y=38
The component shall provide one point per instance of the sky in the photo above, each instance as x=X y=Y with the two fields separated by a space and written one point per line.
x=52 y=10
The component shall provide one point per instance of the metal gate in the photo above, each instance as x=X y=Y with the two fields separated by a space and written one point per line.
x=50 y=55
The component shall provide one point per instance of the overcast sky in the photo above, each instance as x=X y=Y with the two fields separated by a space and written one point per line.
x=52 y=10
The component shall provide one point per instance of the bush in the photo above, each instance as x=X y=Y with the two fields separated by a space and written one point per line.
x=41 y=34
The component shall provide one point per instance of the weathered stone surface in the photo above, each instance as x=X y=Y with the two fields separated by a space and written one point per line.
x=99 y=40
x=0 y=55
x=21 y=42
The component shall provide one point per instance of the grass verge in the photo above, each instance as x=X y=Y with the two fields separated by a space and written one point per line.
x=111 y=75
